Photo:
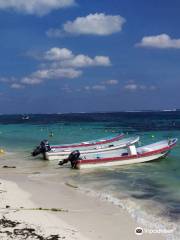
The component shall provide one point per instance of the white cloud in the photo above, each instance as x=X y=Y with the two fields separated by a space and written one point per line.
x=111 y=82
x=57 y=54
x=95 y=24
x=64 y=58
x=59 y=73
x=159 y=41
x=45 y=74
x=37 y=7
x=59 y=63
x=132 y=87
x=95 y=87
x=17 y=86
x=31 y=81
x=81 y=61
x=102 y=61
x=102 y=86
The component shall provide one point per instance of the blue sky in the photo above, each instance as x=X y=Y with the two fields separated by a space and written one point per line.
x=84 y=56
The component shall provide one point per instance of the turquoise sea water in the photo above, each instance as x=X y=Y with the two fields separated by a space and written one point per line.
x=149 y=191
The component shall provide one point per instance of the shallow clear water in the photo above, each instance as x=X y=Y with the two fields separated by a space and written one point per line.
x=146 y=190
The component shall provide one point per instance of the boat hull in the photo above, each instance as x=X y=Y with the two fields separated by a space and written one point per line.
x=133 y=160
x=146 y=153
x=60 y=155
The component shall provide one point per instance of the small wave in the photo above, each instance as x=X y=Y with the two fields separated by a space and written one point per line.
x=151 y=222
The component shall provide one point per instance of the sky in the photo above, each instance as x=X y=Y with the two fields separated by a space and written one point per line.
x=59 y=56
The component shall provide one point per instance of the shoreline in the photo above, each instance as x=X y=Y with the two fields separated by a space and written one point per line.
x=82 y=217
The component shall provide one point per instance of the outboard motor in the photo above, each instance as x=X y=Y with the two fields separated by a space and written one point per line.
x=42 y=148
x=73 y=157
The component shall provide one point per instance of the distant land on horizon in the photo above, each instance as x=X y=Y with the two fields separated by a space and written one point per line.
x=98 y=112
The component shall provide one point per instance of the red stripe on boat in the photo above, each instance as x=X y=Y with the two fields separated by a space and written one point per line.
x=91 y=144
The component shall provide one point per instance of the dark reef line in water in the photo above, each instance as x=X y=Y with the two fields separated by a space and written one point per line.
x=128 y=121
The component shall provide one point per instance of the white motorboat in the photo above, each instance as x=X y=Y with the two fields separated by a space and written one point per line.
x=129 y=155
x=45 y=147
x=59 y=154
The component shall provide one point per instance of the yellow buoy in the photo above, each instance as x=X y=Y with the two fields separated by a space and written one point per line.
x=1 y=151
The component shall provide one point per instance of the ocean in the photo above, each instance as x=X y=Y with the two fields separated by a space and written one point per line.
x=150 y=192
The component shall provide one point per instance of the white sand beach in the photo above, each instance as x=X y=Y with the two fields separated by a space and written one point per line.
x=57 y=210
